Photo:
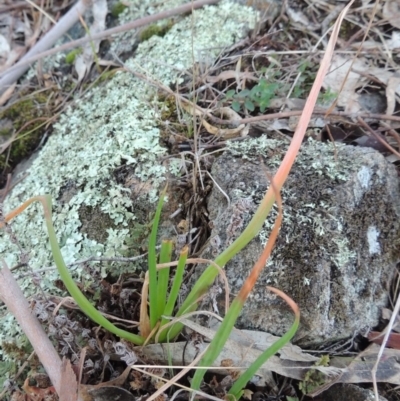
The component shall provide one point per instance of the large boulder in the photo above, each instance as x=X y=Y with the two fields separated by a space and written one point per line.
x=338 y=243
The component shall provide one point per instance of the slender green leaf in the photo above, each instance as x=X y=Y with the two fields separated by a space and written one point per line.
x=152 y=263
x=163 y=277
x=241 y=382
x=176 y=285
x=218 y=342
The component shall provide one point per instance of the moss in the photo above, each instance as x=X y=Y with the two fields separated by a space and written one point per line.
x=155 y=30
x=17 y=352
x=138 y=234
x=178 y=123
x=168 y=114
x=70 y=57
x=95 y=223
x=106 y=76
x=347 y=29
x=96 y=226
x=117 y=9
x=28 y=116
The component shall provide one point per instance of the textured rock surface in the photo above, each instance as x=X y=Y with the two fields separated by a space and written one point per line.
x=349 y=392
x=338 y=243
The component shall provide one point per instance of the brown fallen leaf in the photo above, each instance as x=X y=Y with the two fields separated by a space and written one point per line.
x=242 y=348
x=69 y=383
x=359 y=369
x=226 y=133
x=231 y=74
x=392 y=342
x=89 y=392
x=39 y=394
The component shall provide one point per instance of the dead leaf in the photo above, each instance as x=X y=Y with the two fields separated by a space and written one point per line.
x=84 y=61
x=391 y=12
x=392 y=84
x=369 y=141
x=347 y=98
x=226 y=133
x=69 y=383
x=387 y=314
x=230 y=74
x=359 y=369
x=144 y=324
x=377 y=337
x=38 y=393
x=90 y=392
x=111 y=393
x=242 y=351
x=299 y=18
x=394 y=41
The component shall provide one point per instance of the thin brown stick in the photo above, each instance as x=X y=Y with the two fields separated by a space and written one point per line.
x=388 y=330
x=272 y=116
x=17 y=304
x=295 y=113
x=392 y=132
x=377 y=136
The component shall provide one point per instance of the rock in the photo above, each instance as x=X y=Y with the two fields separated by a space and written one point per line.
x=349 y=392
x=338 y=243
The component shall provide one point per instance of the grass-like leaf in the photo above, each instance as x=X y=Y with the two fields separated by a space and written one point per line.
x=237 y=389
x=163 y=277
x=223 y=332
x=152 y=263
x=176 y=285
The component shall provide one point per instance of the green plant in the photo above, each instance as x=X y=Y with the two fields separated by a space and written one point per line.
x=118 y=8
x=314 y=378
x=161 y=305
x=327 y=97
x=154 y=30
x=258 y=96
x=71 y=56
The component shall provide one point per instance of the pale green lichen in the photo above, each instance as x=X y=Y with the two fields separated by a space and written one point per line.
x=343 y=255
x=314 y=159
x=111 y=125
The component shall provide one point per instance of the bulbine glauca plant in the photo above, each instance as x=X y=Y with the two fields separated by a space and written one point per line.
x=159 y=302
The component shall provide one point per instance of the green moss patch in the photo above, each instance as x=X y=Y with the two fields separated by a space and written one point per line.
x=27 y=117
